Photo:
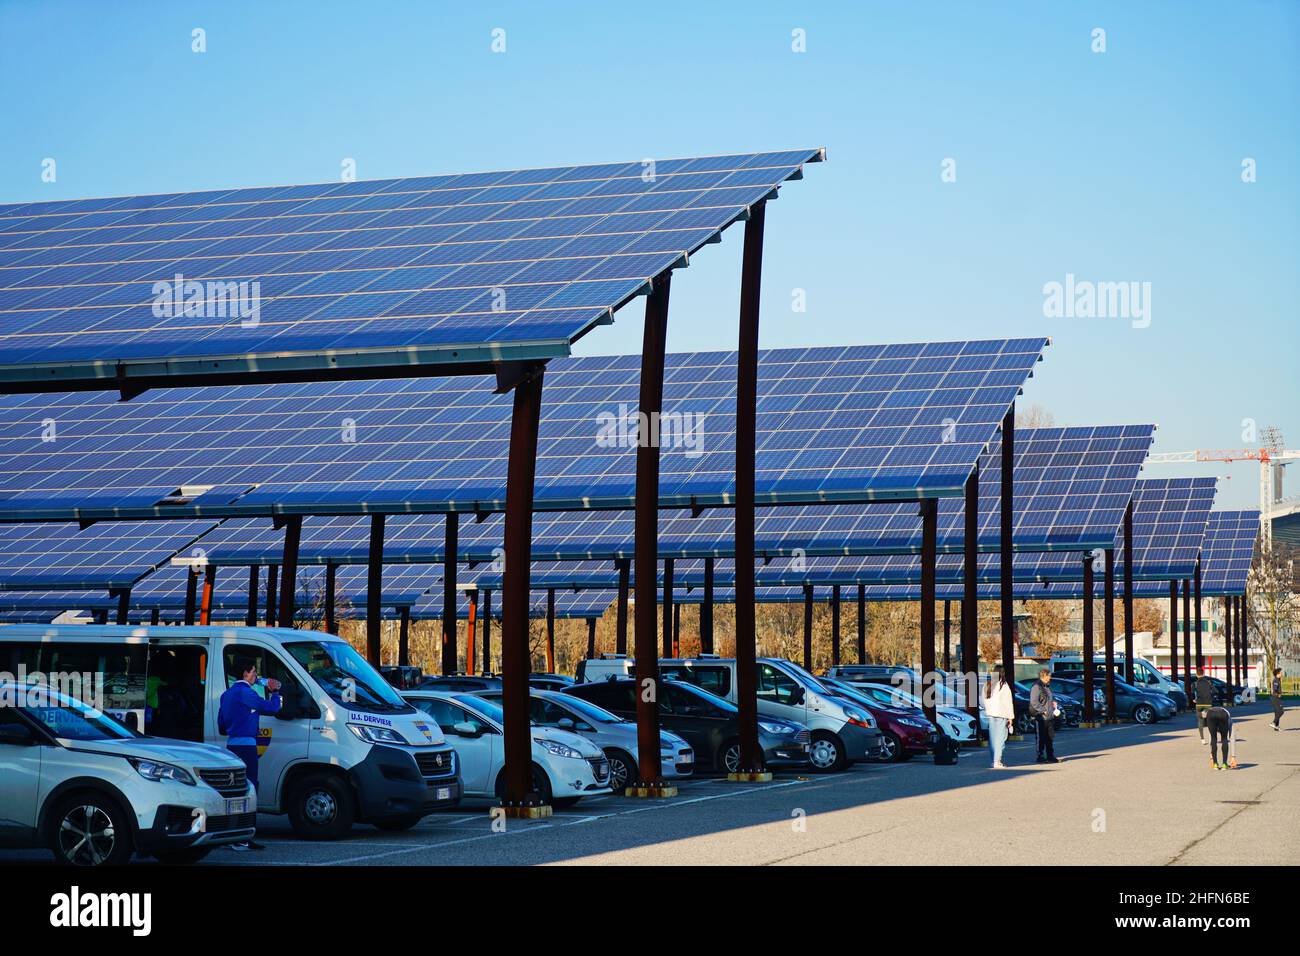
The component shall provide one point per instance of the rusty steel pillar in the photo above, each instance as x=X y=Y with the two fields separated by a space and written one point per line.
x=450 y=660
x=667 y=625
x=404 y=637
x=289 y=571
x=706 y=610
x=1108 y=596
x=250 y=613
x=862 y=623
x=487 y=632
x=272 y=593
x=929 y=556
x=191 y=595
x=205 y=603
x=374 y=589
x=1173 y=631
x=835 y=625
x=331 y=598
x=620 y=614
x=550 y=630
x=1128 y=593
x=1089 y=718
x=1006 y=567
x=807 y=626
x=970 y=638
x=471 y=630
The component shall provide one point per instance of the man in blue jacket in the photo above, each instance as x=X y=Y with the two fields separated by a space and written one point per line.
x=239 y=718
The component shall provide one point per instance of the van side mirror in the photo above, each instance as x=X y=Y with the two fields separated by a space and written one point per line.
x=18 y=735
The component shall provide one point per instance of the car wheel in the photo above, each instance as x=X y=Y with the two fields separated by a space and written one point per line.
x=183 y=857
x=826 y=753
x=1024 y=724
x=1144 y=714
x=90 y=829
x=320 y=807
x=729 y=757
x=541 y=785
x=397 y=824
x=622 y=770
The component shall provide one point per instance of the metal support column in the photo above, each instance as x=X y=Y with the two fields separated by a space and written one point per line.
x=1243 y=617
x=1196 y=591
x=1108 y=596
x=1005 y=566
x=550 y=630
x=620 y=615
x=929 y=556
x=124 y=607
x=191 y=595
x=706 y=610
x=471 y=630
x=1173 y=631
x=970 y=636
x=807 y=626
x=250 y=614
x=331 y=598
x=1089 y=670
x=487 y=632
x=591 y=638
x=374 y=589
x=1187 y=641
x=947 y=636
x=517 y=745
x=862 y=623
x=289 y=571
x=1128 y=594
x=205 y=603
x=677 y=630
x=835 y=626
x=667 y=624
x=404 y=638
x=450 y=550
x=272 y=593
x=1227 y=640
x=646 y=546
x=751 y=755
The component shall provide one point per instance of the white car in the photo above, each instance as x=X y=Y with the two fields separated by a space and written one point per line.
x=95 y=792
x=566 y=766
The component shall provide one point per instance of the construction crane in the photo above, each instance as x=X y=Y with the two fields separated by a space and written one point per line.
x=1272 y=457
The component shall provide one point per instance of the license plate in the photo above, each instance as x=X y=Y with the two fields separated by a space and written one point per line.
x=237 y=805
x=442 y=793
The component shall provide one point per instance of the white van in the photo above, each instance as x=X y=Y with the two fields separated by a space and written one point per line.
x=841 y=732
x=344 y=747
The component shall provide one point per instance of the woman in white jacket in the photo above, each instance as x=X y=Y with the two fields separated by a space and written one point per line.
x=1001 y=711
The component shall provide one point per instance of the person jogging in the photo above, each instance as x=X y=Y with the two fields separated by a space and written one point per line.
x=1042 y=707
x=1204 y=701
x=1219 y=720
x=1275 y=691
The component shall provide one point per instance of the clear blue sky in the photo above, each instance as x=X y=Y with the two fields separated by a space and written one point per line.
x=1115 y=166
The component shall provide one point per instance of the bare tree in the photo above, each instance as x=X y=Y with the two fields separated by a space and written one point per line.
x=1273 y=604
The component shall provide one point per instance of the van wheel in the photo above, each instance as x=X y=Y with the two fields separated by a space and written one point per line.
x=827 y=753
x=90 y=829
x=396 y=824
x=320 y=807
x=1144 y=714
x=623 y=771
x=183 y=857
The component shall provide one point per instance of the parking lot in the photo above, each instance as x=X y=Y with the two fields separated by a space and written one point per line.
x=1126 y=794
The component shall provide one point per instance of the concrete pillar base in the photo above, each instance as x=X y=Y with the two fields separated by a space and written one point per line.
x=1015 y=738
x=535 y=812
x=750 y=776
x=653 y=791
x=1089 y=724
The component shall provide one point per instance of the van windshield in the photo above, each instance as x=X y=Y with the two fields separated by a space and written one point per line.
x=346 y=676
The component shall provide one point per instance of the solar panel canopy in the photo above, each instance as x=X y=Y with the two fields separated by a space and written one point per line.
x=852 y=423
x=1228 y=551
x=362 y=275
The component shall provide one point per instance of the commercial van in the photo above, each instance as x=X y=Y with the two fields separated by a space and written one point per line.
x=841 y=731
x=344 y=748
x=1146 y=676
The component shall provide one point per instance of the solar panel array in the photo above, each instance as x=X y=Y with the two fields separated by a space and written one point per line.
x=531 y=258
x=845 y=423
x=112 y=554
x=1228 y=551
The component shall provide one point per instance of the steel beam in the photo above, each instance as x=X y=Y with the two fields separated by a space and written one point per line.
x=374 y=589
x=970 y=629
x=929 y=549
x=835 y=625
x=550 y=630
x=250 y=614
x=1089 y=670
x=1196 y=586
x=1108 y=595
x=1173 y=631
x=620 y=614
x=272 y=593
x=1243 y=616
x=862 y=624
x=209 y=585
x=947 y=636
x=1128 y=594
x=591 y=638
x=706 y=610
x=289 y=572
x=751 y=755
x=1228 y=672
x=331 y=598
x=451 y=547
x=1006 y=567
x=807 y=626
x=123 y=606
x=191 y=595
x=404 y=638
x=1187 y=641
x=471 y=629
x=667 y=625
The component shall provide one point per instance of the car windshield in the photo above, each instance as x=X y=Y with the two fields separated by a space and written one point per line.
x=67 y=718
x=587 y=709
x=346 y=676
x=484 y=708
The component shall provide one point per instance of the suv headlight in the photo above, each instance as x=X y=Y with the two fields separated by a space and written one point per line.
x=557 y=748
x=158 y=772
x=377 y=735
x=780 y=730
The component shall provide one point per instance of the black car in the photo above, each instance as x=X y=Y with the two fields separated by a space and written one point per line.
x=1225 y=694
x=706 y=722
x=403 y=677
x=1069 y=709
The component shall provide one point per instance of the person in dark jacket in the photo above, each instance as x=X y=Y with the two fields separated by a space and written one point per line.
x=1275 y=691
x=239 y=718
x=1043 y=708
x=1204 y=701
x=1219 y=720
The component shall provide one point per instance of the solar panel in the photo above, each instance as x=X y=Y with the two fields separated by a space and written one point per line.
x=108 y=555
x=1228 y=551
x=424 y=270
x=853 y=423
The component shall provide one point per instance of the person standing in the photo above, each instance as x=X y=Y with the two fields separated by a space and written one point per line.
x=1204 y=701
x=239 y=718
x=1219 y=720
x=1043 y=708
x=1000 y=708
x=1275 y=691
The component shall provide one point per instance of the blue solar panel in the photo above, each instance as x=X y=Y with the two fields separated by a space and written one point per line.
x=108 y=555
x=449 y=269
x=1228 y=551
x=835 y=424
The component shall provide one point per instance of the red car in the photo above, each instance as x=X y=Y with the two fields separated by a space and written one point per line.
x=904 y=731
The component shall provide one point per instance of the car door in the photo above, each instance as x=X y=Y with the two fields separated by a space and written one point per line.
x=690 y=716
x=479 y=750
x=779 y=695
x=20 y=769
